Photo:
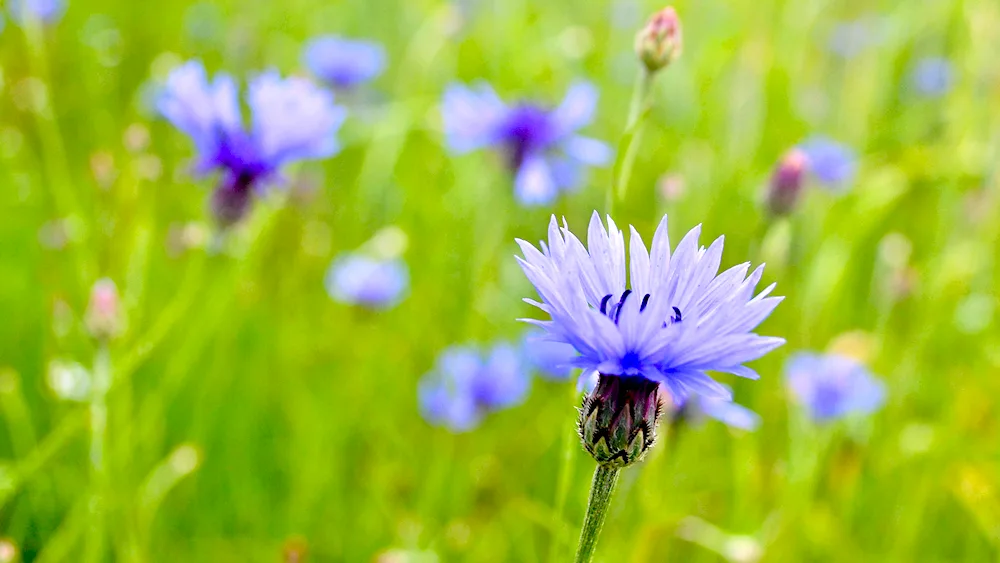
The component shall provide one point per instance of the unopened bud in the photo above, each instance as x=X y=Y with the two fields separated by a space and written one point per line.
x=104 y=317
x=659 y=43
x=618 y=419
x=786 y=183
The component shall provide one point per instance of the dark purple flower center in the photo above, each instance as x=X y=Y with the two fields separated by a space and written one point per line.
x=529 y=129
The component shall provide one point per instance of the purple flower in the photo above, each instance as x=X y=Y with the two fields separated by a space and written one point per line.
x=832 y=386
x=540 y=144
x=44 y=11
x=932 y=76
x=290 y=119
x=358 y=279
x=466 y=384
x=344 y=63
x=554 y=360
x=676 y=319
x=833 y=164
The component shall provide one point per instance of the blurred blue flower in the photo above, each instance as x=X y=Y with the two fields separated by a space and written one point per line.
x=553 y=360
x=850 y=38
x=358 y=279
x=344 y=63
x=830 y=386
x=678 y=320
x=290 y=119
x=45 y=11
x=540 y=144
x=833 y=164
x=932 y=76
x=466 y=384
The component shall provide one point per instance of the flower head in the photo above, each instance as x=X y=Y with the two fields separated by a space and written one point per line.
x=833 y=164
x=104 y=317
x=359 y=279
x=466 y=384
x=44 y=11
x=540 y=144
x=659 y=43
x=832 y=386
x=344 y=63
x=932 y=76
x=676 y=319
x=290 y=119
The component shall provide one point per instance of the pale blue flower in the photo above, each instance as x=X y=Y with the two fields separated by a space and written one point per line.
x=833 y=164
x=540 y=144
x=344 y=63
x=466 y=384
x=44 y=11
x=359 y=279
x=932 y=76
x=676 y=319
x=553 y=360
x=831 y=386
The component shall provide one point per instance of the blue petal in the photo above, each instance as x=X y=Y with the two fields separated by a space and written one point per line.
x=342 y=62
x=472 y=116
x=587 y=150
x=577 y=108
x=535 y=184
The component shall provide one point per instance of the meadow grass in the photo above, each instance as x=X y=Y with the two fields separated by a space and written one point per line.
x=250 y=415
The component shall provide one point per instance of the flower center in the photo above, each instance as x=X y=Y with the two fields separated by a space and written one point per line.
x=615 y=312
x=528 y=129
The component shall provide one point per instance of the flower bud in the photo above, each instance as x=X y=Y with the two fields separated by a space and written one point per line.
x=786 y=183
x=618 y=419
x=104 y=319
x=659 y=43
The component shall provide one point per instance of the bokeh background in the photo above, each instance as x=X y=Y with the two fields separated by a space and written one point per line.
x=252 y=418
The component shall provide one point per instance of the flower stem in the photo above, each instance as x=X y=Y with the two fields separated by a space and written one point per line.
x=98 y=444
x=641 y=100
x=605 y=479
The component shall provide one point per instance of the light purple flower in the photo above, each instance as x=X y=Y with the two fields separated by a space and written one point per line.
x=540 y=144
x=290 y=119
x=833 y=164
x=344 y=63
x=697 y=407
x=466 y=384
x=358 y=279
x=676 y=319
x=44 y=11
x=830 y=386
x=932 y=76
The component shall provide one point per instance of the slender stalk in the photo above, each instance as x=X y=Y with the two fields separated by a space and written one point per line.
x=563 y=478
x=605 y=479
x=641 y=101
x=98 y=444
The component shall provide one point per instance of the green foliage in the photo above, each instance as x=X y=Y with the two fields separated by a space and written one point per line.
x=250 y=415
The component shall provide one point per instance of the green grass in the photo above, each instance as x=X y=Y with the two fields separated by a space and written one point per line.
x=250 y=413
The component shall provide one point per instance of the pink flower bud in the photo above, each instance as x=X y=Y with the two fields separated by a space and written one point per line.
x=659 y=43
x=786 y=183
x=104 y=317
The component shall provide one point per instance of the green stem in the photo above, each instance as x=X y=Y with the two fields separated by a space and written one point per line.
x=601 y=490
x=641 y=101
x=98 y=445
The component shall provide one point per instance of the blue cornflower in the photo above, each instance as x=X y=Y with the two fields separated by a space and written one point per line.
x=290 y=119
x=676 y=319
x=44 y=11
x=932 y=76
x=831 y=386
x=344 y=63
x=553 y=360
x=359 y=279
x=466 y=384
x=833 y=164
x=540 y=144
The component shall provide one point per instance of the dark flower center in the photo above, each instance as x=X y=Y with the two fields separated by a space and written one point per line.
x=615 y=312
x=528 y=129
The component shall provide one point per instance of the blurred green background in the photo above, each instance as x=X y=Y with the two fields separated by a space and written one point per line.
x=253 y=419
